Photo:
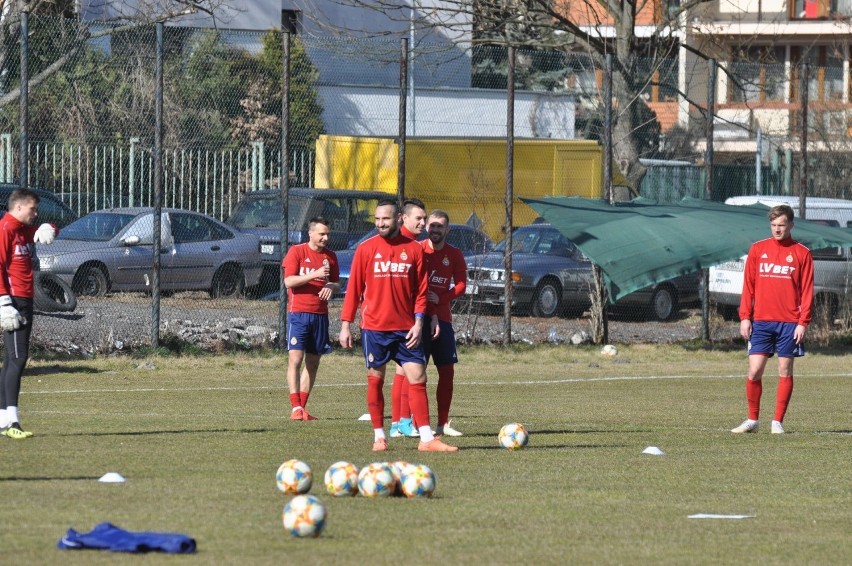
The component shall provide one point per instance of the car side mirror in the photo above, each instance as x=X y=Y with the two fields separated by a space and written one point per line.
x=130 y=240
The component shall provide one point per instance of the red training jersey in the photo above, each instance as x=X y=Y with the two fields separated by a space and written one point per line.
x=16 y=257
x=447 y=271
x=778 y=283
x=388 y=279
x=301 y=259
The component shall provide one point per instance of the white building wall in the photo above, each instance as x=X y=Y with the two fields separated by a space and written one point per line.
x=371 y=111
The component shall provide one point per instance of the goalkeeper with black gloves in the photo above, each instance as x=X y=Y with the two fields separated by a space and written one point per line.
x=18 y=233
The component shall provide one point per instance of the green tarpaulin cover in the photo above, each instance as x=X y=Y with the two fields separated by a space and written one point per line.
x=639 y=243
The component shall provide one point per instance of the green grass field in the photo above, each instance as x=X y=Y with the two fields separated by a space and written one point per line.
x=199 y=441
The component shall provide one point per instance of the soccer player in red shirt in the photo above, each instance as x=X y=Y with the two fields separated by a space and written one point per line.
x=388 y=280
x=447 y=270
x=312 y=276
x=413 y=224
x=17 y=236
x=775 y=310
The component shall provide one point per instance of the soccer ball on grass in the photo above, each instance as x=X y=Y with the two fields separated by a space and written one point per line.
x=294 y=477
x=304 y=516
x=418 y=481
x=513 y=436
x=609 y=350
x=376 y=480
x=341 y=479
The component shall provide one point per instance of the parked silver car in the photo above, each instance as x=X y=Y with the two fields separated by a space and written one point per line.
x=550 y=275
x=111 y=250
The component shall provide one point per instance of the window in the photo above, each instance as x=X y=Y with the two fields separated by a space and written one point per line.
x=820 y=9
x=188 y=228
x=757 y=74
x=828 y=254
x=825 y=71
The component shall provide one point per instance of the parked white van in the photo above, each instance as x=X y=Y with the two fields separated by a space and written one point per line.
x=832 y=266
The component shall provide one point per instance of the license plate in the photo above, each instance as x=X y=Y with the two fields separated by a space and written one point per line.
x=267 y=249
x=471 y=290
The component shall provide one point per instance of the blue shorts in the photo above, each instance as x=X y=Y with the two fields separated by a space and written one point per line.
x=382 y=347
x=442 y=349
x=774 y=338
x=309 y=332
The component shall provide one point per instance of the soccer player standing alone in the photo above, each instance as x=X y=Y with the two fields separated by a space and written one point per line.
x=17 y=236
x=775 y=310
x=388 y=280
x=311 y=276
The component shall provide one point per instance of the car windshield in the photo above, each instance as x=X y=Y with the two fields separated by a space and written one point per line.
x=96 y=227
x=545 y=241
x=266 y=213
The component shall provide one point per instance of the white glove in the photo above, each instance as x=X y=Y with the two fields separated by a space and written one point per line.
x=10 y=318
x=45 y=234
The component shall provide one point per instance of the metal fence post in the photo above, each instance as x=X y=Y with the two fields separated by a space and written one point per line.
x=403 y=120
x=510 y=195
x=23 y=165
x=708 y=192
x=158 y=189
x=803 y=178
x=131 y=171
x=285 y=188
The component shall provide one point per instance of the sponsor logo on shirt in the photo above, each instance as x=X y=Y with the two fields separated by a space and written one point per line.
x=774 y=269
x=391 y=266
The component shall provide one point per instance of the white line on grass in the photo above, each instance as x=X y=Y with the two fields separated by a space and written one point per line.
x=457 y=383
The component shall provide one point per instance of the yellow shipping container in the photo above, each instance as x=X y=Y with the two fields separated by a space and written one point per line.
x=465 y=177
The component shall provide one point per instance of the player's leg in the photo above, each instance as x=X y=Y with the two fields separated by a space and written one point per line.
x=17 y=347
x=296 y=333
x=306 y=385
x=396 y=401
x=413 y=362
x=761 y=347
x=294 y=370
x=443 y=351
x=788 y=351
x=377 y=352
x=317 y=345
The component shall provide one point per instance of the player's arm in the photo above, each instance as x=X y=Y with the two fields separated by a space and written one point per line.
x=291 y=265
x=806 y=292
x=459 y=280
x=332 y=284
x=746 y=310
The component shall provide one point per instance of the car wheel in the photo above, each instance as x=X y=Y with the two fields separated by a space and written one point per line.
x=663 y=304
x=53 y=294
x=228 y=282
x=91 y=281
x=547 y=300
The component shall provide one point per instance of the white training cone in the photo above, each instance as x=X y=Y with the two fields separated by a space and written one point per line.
x=112 y=477
x=653 y=451
x=364 y=417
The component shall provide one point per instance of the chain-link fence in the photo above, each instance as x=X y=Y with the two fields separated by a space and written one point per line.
x=90 y=140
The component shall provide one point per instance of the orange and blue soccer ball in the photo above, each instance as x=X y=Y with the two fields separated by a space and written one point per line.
x=513 y=436
x=376 y=480
x=294 y=477
x=341 y=479
x=304 y=516
x=418 y=481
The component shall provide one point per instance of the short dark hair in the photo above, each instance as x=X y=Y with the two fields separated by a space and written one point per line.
x=438 y=213
x=318 y=220
x=22 y=194
x=781 y=210
x=389 y=202
x=410 y=203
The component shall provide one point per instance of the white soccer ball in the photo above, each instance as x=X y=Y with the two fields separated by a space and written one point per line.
x=376 y=480
x=304 y=516
x=609 y=350
x=398 y=468
x=513 y=436
x=294 y=476
x=341 y=479
x=418 y=481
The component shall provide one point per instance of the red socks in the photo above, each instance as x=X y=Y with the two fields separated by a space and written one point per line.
x=404 y=408
x=445 y=392
x=303 y=398
x=376 y=400
x=295 y=400
x=754 y=389
x=785 y=391
x=419 y=403
x=396 y=393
